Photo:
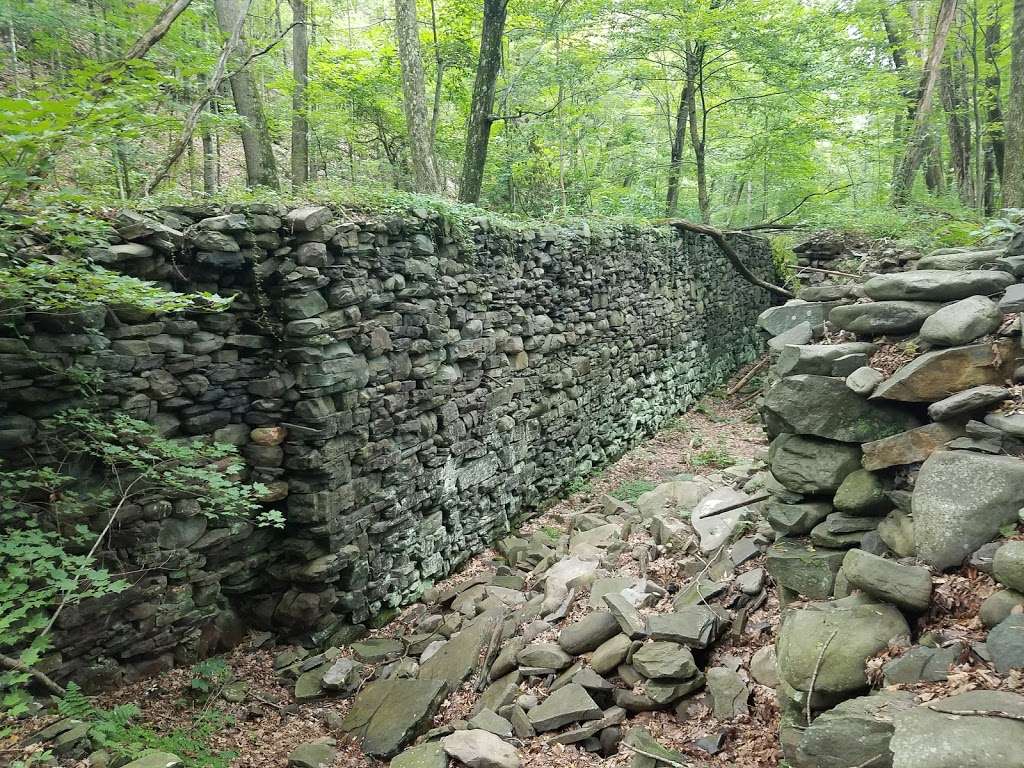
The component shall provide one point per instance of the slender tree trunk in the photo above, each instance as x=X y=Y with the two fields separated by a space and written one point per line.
x=954 y=103
x=438 y=82
x=215 y=80
x=675 y=166
x=1013 y=163
x=916 y=143
x=993 y=89
x=300 y=73
x=155 y=33
x=478 y=130
x=698 y=135
x=424 y=168
x=260 y=166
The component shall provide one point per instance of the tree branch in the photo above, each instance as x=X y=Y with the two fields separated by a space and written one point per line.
x=45 y=680
x=719 y=237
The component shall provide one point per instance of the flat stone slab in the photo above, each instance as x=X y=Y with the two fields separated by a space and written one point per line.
x=457 y=658
x=908 y=447
x=939 y=735
x=936 y=375
x=880 y=318
x=825 y=407
x=695 y=626
x=569 y=704
x=388 y=714
x=936 y=285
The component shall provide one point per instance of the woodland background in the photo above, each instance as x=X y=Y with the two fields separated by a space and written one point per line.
x=889 y=116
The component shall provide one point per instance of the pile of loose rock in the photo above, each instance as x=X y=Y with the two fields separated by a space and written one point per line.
x=566 y=638
x=896 y=428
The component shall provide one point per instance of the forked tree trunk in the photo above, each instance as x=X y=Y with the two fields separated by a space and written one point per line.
x=414 y=98
x=698 y=135
x=300 y=74
x=478 y=130
x=260 y=166
x=917 y=143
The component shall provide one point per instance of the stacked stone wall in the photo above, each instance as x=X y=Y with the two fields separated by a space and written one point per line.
x=406 y=387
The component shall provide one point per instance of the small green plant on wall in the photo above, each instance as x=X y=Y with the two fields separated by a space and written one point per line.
x=57 y=510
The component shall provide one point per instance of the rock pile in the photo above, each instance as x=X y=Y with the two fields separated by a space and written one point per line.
x=569 y=636
x=896 y=422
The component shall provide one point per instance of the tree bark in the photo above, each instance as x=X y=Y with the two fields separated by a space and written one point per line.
x=698 y=135
x=300 y=74
x=478 y=130
x=958 y=127
x=260 y=166
x=155 y=33
x=675 y=166
x=903 y=179
x=993 y=89
x=414 y=98
x=1013 y=162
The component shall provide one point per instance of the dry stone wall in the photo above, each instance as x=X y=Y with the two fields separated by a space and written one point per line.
x=406 y=387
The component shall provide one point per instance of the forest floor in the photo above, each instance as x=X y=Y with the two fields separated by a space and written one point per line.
x=266 y=725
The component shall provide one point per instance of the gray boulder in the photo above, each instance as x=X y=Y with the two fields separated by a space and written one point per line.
x=810 y=465
x=906 y=586
x=695 y=626
x=588 y=633
x=729 y=693
x=861 y=493
x=844 y=634
x=477 y=748
x=908 y=447
x=1013 y=300
x=777 y=320
x=967 y=402
x=855 y=733
x=962 y=322
x=863 y=380
x=936 y=285
x=825 y=407
x=1005 y=643
x=999 y=605
x=881 y=318
x=960 y=260
x=796 y=519
x=1008 y=565
x=939 y=735
x=961 y=500
x=1010 y=423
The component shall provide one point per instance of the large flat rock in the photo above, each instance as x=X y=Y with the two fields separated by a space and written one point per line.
x=956 y=732
x=879 y=318
x=811 y=465
x=388 y=714
x=908 y=447
x=936 y=285
x=944 y=372
x=824 y=406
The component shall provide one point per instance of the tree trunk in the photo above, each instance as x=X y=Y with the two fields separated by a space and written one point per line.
x=675 y=166
x=958 y=127
x=260 y=166
x=153 y=35
x=1013 y=163
x=917 y=140
x=300 y=73
x=478 y=130
x=698 y=136
x=993 y=88
x=192 y=119
x=424 y=169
